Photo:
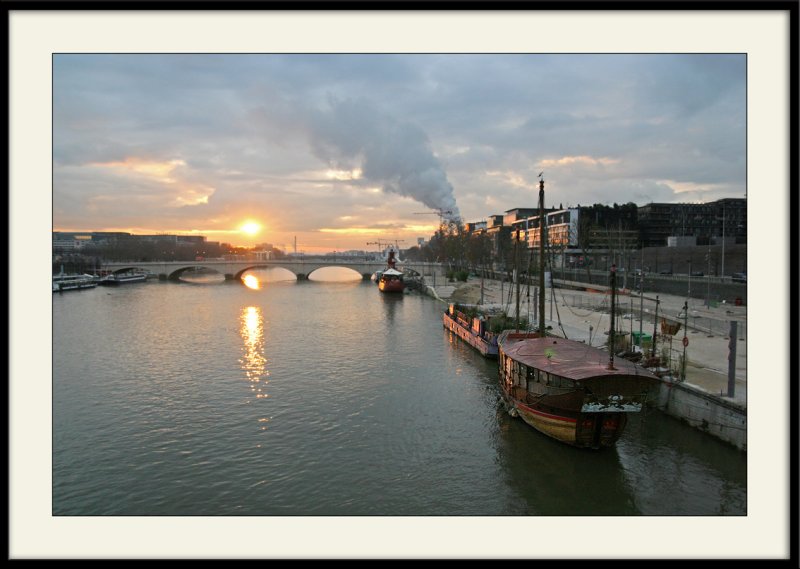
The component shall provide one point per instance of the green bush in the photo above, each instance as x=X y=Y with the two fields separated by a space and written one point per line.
x=505 y=322
x=462 y=276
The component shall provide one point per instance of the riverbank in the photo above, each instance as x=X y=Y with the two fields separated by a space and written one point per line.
x=700 y=399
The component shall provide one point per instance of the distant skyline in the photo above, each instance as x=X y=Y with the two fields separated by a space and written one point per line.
x=341 y=150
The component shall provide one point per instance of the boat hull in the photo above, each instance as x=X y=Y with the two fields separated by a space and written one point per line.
x=391 y=286
x=63 y=283
x=486 y=348
x=66 y=286
x=114 y=281
x=585 y=430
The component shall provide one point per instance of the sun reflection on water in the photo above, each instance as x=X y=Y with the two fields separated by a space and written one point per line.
x=251 y=281
x=253 y=361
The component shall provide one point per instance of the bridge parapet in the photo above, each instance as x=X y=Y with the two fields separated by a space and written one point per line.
x=233 y=270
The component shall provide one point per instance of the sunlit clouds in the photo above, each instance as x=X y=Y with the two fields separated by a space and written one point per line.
x=354 y=174
x=584 y=160
x=250 y=228
x=161 y=170
x=330 y=150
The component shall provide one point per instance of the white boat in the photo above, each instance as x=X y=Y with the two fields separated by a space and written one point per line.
x=123 y=278
x=64 y=282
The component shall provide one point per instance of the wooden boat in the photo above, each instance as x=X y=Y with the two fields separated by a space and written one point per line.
x=566 y=389
x=569 y=390
x=473 y=330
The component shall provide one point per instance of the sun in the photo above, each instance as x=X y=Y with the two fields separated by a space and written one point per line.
x=250 y=227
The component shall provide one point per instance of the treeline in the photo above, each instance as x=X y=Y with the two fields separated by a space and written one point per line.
x=92 y=256
x=456 y=247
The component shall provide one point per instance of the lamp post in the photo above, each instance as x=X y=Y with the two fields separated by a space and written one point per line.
x=689 y=292
x=708 y=278
x=722 y=271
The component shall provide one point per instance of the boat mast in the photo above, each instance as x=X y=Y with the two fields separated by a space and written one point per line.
x=516 y=271
x=542 y=237
x=611 y=332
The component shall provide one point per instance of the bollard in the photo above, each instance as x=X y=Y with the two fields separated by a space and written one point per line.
x=732 y=358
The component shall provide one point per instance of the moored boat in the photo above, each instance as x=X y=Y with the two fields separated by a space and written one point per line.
x=390 y=279
x=62 y=282
x=123 y=278
x=569 y=390
x=474 y=330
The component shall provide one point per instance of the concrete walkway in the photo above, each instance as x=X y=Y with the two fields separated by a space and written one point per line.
x=707 y=353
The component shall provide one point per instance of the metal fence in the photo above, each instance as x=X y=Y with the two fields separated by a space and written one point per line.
x=702 y=323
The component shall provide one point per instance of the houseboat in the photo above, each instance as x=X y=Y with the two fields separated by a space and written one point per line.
x=569 y=390
x=474 y=330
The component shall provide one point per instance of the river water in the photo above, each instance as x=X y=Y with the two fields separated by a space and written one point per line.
x=328 y=398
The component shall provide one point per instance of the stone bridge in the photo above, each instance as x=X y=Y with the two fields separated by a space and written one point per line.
x=302 y=268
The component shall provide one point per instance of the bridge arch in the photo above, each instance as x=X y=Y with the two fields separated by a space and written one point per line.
x=237 y=276
x=129 y=268
x=352 y=270
x=176 y=274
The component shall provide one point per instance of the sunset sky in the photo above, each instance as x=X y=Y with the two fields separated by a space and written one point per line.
x=341 y=150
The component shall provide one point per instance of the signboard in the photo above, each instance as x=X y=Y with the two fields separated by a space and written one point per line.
x=685 y=341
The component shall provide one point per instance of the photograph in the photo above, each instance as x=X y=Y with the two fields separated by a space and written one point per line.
x=336 y=289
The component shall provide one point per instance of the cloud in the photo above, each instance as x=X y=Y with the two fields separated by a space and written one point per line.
x=302 y=140
x=353 y=135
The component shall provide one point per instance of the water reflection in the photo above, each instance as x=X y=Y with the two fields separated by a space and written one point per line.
x=253 y=362
x=704 y=477
x=268 y=276
x=390 y=304
x=554 y=479
x=251 y=281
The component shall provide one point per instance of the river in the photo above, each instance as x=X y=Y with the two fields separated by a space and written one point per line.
x=328 y=398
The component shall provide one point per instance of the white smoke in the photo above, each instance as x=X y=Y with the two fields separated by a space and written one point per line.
x=396 y=155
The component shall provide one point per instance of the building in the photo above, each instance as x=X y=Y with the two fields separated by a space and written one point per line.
x=730 y=216
x=562 y=229
x=71 y=241
x=704 y=221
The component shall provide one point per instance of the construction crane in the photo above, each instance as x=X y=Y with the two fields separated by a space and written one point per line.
x=383 y=243
x=437 y=211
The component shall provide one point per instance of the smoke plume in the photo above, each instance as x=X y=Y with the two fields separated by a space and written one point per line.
x=390 y=153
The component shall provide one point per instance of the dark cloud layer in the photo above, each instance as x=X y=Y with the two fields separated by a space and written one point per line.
x=202 y=139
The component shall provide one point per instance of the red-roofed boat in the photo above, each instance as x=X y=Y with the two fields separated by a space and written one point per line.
x=566 y=389
x=570 y=390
